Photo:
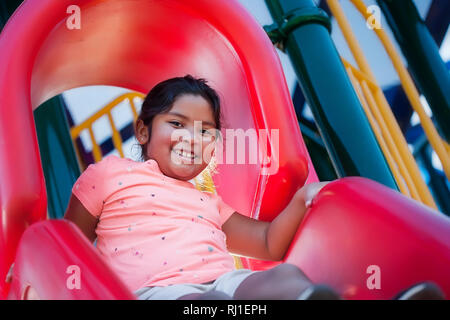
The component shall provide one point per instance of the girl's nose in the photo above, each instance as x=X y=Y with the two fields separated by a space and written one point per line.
x=190 y=140
x=190 y=136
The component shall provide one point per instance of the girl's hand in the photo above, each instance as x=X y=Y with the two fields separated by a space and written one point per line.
x=309 y=191
x=9 y=276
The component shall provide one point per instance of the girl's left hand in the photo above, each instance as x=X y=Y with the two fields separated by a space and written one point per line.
x=309 y=191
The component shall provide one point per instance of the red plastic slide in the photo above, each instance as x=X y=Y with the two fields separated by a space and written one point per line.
x=58 y=262
x=135 y=44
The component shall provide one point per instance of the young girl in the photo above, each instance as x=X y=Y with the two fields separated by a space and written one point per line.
x=166 y=239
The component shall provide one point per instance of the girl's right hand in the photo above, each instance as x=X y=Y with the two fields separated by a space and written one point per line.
x=308 y=192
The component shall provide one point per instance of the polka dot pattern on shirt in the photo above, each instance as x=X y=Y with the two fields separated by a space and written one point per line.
x=136 y=253
x=146 y=195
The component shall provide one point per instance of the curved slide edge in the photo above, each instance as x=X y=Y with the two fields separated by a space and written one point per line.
x=40 y=51
x=58 y=263
x=360 y=237
x=370 y=242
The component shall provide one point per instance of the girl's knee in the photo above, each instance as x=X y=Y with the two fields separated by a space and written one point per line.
x=287 y=271
x=214 y=295
x=209 y=295
x=285 y=281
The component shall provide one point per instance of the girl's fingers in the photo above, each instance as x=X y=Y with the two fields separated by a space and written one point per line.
x=313 y=190
x=308 y=203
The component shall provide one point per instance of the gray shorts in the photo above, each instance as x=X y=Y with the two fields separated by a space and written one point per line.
x=226 y=283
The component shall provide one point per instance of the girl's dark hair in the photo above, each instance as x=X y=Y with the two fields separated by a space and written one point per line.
x=161 y=98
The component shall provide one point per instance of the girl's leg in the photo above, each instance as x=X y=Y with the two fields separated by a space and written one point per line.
x=283 y=282
x=210 y=295
x=422 y=291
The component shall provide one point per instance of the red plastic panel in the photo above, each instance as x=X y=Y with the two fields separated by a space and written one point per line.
x=356 y=223
x=148 y=41
x=135 y=44
x=58 y=262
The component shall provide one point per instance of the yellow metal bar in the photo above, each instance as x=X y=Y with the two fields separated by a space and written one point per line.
x=237 y=262
x=117 y=139
x=77 y=153
x=87 y=124
x=411 y=92
x=197 y=184
x=75 y=131
x=402 y=146
x=133 y=109
x=377 y=131
x=400 y=143
x=95 y=148
x=359 y=75
x=350 y=38
x=205 y=183
x=209 y=184
x=391 y=145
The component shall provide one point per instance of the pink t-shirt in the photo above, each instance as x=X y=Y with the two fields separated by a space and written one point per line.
x=154 y=230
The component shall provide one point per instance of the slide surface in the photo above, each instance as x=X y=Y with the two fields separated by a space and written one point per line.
x=361 y=238
x=136 y=44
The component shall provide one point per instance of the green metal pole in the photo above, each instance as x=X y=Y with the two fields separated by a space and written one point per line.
x=319 y=155
x=424 y=60
x=302 y=30
x=437 y=182
x=59 y=161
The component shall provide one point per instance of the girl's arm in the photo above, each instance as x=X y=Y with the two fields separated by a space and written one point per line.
x=79 y=215
x=269 y=240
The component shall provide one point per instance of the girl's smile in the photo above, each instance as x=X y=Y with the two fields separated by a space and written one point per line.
x=180 y=137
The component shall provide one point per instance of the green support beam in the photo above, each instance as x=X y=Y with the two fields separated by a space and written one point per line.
x=302 y=30
x=424 y=60
x=59 y=161
x=437 y=181
x=319 y=155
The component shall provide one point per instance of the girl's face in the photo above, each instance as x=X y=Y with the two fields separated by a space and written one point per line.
x=182 y=140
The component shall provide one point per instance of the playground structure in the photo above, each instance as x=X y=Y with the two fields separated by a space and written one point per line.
x=347 y=229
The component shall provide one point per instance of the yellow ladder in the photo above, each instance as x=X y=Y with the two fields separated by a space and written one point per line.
x=392 y=142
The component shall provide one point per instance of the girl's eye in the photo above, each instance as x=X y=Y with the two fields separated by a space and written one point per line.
x=175 y=123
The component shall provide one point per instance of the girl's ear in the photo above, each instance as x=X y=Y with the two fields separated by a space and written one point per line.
x=141 y=132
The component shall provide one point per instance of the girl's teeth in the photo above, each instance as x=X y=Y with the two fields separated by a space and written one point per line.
x=186 y=155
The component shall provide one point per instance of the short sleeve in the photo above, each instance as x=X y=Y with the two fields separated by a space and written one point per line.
x=90 y=187
x=225 y=210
